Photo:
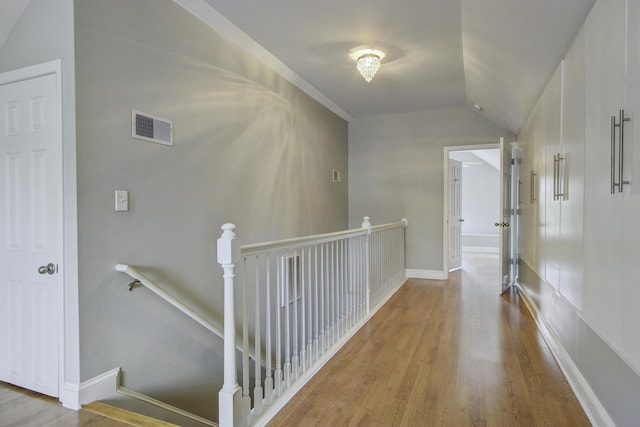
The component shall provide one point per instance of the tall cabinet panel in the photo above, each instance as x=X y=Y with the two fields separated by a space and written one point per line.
x=527 y=178
x=552 y=119
x=603 y=212
x=540 y=188
x=570 y=245
x=631 y=243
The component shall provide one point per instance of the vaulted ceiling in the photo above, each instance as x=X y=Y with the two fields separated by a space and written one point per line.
x=498 y=54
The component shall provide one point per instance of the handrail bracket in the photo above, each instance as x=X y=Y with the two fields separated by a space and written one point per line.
x=134 y=284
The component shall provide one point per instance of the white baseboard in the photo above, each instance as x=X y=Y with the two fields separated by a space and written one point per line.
x=590 y=403
x=427 y=274
x=101 y=387
x=481 y=249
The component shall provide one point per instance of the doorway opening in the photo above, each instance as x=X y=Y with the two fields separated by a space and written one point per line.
x=472 y=208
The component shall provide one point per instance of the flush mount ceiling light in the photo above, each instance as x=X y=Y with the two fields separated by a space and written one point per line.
x=368 y=62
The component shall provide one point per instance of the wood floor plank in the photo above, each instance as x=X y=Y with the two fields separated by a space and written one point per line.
x=442 y=353
x=24 y=408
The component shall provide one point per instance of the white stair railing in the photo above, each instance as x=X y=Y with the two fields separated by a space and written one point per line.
x=298 y=301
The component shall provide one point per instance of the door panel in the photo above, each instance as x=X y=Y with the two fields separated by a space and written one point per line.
x=551 y=115
x=504 y=224
x=603 y=212
x=30 y=212
x=455 y=212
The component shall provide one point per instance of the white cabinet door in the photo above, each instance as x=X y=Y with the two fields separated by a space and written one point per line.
x=603 y=213
x=552 y=115
x=540 y=190
x=631 y=195
x=570 y=248
x=528 y=194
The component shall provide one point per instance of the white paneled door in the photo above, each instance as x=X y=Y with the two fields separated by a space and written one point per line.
x=30 y=234
x=506 y=274
x=455 y=212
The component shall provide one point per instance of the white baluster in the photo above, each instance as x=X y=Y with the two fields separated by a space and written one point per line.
x=367 y=224
x=336 y=278
x=303 y=308
x=322 y=299
x=279 y=296
x=246 y=398
x=295 y=360
x=310 y=307
x=342 y=300
x=349 y=281
x=287 y=324
x=257 y=390
x=316 y=312
x=230 y=395
x=268 y=381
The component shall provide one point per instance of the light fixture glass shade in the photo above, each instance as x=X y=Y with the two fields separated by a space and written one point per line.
x=368 y=64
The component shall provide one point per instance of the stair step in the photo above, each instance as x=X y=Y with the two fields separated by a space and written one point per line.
x=125 y=416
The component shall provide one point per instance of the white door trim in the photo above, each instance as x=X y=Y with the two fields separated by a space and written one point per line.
x=445 y=210
x=68 y=323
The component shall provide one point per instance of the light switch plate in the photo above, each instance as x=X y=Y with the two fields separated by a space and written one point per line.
x=122 y=201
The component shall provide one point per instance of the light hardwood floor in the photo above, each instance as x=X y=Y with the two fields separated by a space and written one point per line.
x=23 y=408
x=442 y=353
x=439 y=353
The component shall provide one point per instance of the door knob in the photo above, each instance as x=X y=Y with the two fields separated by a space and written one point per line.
x=461 y=219
x=47 y=269
x=501 y=224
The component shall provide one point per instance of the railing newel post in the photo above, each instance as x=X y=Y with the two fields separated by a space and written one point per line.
x=230 y=396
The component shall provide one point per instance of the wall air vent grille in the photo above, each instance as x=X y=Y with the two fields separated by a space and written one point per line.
x=149 y=128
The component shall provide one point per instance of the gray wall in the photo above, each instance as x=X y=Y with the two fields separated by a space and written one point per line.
x=396 y=166
x=44 y=33
x=250 y=148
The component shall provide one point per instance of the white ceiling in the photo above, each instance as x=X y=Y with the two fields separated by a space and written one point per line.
x=440 y=53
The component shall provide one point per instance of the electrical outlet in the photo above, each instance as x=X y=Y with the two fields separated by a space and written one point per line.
x=122 y=201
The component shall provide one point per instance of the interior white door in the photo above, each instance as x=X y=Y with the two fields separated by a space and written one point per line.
x=455 y=212
x=504 y=224
x=30 y=234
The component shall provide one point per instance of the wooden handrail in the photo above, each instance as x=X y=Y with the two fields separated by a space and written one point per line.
x=297 y=242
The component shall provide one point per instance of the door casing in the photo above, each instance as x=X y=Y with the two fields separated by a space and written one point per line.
x=445 y=215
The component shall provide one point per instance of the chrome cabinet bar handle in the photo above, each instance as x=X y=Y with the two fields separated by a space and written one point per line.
x=532 y=187
x=621 y=181
x=560 y=180
x=555 y=177
x=613 y=154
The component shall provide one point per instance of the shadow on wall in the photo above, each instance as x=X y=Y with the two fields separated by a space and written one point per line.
x=249 y=148
x=252 y=149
